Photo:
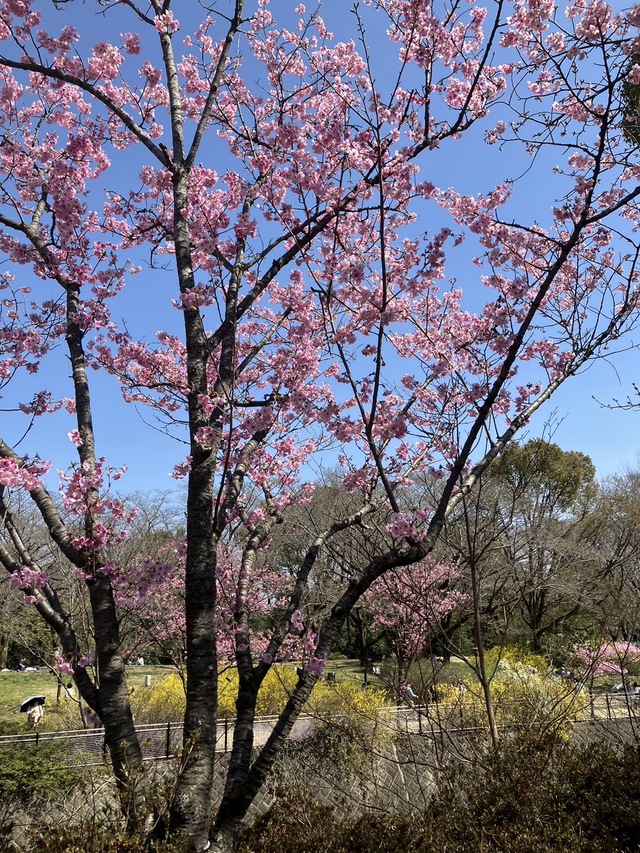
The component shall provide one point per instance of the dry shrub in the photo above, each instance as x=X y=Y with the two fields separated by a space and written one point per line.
x=531 y=795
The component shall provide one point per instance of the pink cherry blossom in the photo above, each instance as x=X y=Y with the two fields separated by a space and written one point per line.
x=64 y=667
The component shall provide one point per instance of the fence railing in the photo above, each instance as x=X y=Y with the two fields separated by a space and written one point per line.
x=158 y=740
x=161 y=741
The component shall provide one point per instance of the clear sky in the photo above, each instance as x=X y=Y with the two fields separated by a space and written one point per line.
x=127 y=435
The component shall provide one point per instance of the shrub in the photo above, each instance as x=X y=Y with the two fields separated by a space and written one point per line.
x=96 y=837
x=276 y=689
x=164 y=700
x=30 y=769
x=341 y=753
x=293 y=825
x=346 y=698
x=522 y=693
x=514 y=657
x=272 y=697
x=161 y=702
x=540 y=795
x=350 y=711
x=531 y=795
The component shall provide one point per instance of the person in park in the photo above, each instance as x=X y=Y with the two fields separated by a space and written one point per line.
x=296 y=213
x=35 y=715
x=34 y=709
x=410 y=697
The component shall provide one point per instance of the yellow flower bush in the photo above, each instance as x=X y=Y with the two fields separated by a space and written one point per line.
x=165 y=699
x=514 y=657
x=522 y=694
x=272 y=697
x=345 y=698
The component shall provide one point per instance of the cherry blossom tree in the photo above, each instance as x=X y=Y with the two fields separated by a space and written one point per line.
x=605 y=658
x=296 y=184
x=150 y=597
x=410 y=603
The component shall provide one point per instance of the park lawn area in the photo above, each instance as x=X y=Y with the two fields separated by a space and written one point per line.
x=456 y=670
x=351 y=672
x=348 y=672
x=15 y=687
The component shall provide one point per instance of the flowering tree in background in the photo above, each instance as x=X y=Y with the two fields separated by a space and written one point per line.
x=295 y=197
x=410 y=603
x=605 y=659
x=150 y=597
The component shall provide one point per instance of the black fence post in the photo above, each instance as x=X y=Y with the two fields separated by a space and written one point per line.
x=168 y=741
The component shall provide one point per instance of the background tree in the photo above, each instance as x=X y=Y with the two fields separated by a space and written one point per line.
x=523 y=544
x=410 y=604
x=615 y=524
x=544 y=495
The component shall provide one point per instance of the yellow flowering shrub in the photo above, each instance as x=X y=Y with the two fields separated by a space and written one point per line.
x=272 y=697
x=512 y=657
x=352 y=726
x=345 y=698
x=522 y=693
x=163 y=701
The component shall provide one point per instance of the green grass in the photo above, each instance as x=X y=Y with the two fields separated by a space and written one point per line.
x=15 y=687
x=349 y=672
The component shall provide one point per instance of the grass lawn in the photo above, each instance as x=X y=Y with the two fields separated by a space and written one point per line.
x=350 y=671
x=15 y=687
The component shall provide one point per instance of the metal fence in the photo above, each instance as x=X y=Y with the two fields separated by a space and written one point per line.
x=85 y=747
x=161 y=741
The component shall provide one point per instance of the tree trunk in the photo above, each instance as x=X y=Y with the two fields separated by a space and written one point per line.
x=245 y=778
x=481 y=670
x=113 y=705
x=191 y=808
x=4 y=649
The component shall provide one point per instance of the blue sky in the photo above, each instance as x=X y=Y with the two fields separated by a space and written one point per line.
x=125 y=435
